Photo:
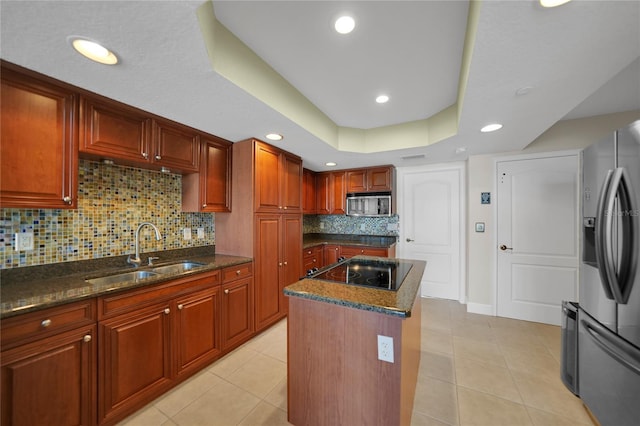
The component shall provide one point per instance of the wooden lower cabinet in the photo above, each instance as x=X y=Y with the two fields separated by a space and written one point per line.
x=51 y=381
x=312 y=257
x=134 y=360
x=197 y=330
x=278 y=263
x=331 y=254
x=351 y=251
x=237 y=306
x=48 y=366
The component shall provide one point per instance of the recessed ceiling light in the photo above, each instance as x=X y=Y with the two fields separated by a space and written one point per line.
x=331 y=164
x=382 y=99
x=553 y=3
x=94 y=51
x=523 y=90
x=461 y=150
x=345 y=24
x=491 y=127
x=274 y=137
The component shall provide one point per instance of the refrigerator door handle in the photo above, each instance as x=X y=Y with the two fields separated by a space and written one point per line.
x=604 y=222
x=617 y=186
x=617 y=352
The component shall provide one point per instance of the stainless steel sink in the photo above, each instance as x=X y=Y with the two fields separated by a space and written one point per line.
x=121 y=278
x=177 y=268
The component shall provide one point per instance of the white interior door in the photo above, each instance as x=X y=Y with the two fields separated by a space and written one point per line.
x=537 y=237
x=431 y=219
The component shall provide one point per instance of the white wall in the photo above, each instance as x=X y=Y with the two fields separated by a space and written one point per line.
x=565 y=135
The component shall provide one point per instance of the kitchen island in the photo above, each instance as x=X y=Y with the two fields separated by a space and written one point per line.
x=334 y=374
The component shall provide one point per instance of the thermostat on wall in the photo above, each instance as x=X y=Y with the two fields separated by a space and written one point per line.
x=485 y=198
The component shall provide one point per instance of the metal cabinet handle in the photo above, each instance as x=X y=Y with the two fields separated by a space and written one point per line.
x=180 y=306
x=145 y=155
x=285 y=263
x=204 y=206
x=45 y=323
x=86 y=338
x=226 y=291
x=67 y=199
x=503 y=247
x=280 y=264
x=158 y=157
x=167 y=311
x=238 y=272
x=409 y=240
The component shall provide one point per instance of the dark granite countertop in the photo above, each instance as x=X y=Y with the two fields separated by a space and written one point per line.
x=36 y=287
x=383 y=241
x=396 y=303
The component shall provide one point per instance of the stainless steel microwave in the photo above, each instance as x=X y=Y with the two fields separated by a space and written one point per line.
x=369 y=204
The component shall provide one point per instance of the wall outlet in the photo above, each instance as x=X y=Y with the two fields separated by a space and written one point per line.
x=385 y=348
x=321 y=225
x=392 y=226
x=24 y=241
x=200 y=233
x=362 y=227
x=186 y=233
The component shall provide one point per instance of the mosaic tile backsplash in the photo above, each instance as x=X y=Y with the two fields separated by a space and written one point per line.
x=112 y=202
x=341 y=224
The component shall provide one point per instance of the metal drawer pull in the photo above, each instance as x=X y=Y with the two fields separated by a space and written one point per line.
x=180 y=306
x=226 y=291
x=166 y=311
x=86 y=338
x=45 y=323
x=238 y=272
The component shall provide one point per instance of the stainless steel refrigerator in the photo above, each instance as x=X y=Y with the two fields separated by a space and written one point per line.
x=608 y=379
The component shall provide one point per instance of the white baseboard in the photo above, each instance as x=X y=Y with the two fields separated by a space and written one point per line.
x=479 y=308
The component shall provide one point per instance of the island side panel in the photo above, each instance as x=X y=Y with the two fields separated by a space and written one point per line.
x=411 y=344
x=334 y=374
x=315 y=363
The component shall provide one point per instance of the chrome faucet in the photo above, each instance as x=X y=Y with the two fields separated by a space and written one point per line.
x=137 y=261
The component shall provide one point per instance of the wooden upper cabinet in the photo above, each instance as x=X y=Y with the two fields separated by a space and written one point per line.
x=129 y=136
x=114 y=131
x=38 y=143
x=278 y=180
x=210 y=190
x=308 y=192
x=376 y=179
x=331 y=192
x=339 y=192
x=176 y=147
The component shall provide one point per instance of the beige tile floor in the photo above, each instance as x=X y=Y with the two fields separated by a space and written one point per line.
x=474 y=370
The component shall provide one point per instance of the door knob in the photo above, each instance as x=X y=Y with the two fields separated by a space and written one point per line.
x=503 y=247
x=409 y=240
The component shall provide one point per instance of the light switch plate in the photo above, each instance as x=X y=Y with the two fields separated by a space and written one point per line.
x=186 y=233
x=200 y=233
x=24 y=241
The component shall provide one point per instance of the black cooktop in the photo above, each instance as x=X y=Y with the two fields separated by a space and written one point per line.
x=385 y=274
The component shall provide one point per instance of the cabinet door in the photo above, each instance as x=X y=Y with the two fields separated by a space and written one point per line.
x=357 y=180
x=292 y=184
x=267 y=179
x=114 y=131
x=339 y=193
x=38 y=144
x=237 y=312
x=380 y=179
x=51 y=381
x=210 y=190
x=331 y=254
x=324 y=193
x=291 y=249
x=197 y=329
x=134 y=361
x=268 y=266
x=308 y=192
x=176 y=148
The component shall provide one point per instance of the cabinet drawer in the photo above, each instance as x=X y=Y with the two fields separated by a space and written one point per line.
x=135 y=299
x=36 y=325
x=237 y=272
